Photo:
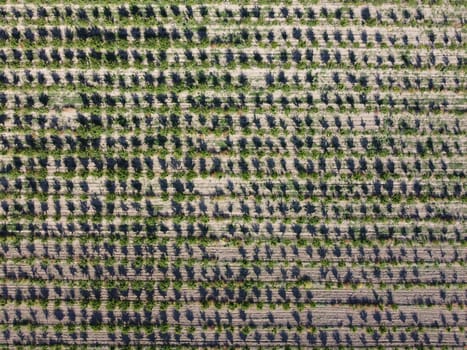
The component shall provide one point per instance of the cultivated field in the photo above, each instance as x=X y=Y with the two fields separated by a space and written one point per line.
x=232 y=174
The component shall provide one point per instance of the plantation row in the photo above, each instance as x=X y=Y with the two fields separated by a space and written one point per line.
x=217 y=35
x=258 y=78
x=227 y=208
x=182 y=228
x=379 y=3
x=328 y=167
x=235 y=144
x=298 y=100
x=222 y=208
x=74 y=249
x=243 y=124
x=48 y=336
x=369 y=15
x=333 y=188
x=357 y=58
x=124 y=294
x=199 y=316
x=433 y=274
